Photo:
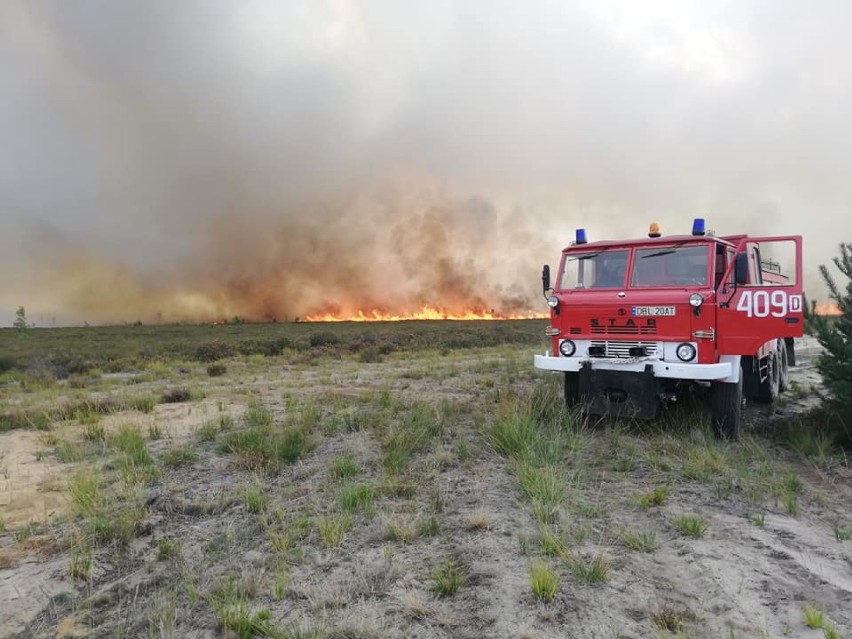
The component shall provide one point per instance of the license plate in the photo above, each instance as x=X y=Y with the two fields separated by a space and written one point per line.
x=653 y=311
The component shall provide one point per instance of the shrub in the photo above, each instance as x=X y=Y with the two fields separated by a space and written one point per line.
x=217 y=370
x=323 y=338
x=214 y=350
x=176 y=394
x=7 y=363
x=835 y=365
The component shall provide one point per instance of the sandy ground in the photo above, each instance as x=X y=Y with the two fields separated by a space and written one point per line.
x=738 y=580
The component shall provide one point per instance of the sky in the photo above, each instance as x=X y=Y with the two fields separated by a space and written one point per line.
x=197 y=160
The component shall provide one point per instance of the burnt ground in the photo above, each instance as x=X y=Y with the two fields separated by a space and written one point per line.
x=220 y=544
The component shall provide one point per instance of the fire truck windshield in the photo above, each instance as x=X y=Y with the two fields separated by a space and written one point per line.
x=603 y=269
x=670 y=266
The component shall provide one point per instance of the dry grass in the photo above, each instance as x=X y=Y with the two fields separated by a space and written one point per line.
x=348 y=492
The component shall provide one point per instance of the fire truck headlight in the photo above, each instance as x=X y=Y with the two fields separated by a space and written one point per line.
x=567 y=347
x=695 y=300
x=553 y=301
x=686 y=352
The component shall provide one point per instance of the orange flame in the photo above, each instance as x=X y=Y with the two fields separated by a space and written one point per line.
x=827 y=308
x=425 y=313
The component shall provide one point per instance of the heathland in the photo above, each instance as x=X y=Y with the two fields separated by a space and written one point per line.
x=417 y=479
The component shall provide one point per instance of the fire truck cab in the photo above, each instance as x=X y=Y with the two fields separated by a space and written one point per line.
x=635 y=321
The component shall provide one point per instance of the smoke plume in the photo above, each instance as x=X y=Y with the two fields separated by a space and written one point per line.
x=205 y=159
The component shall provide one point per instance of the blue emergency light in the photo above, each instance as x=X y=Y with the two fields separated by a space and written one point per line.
x=698 y=226
x=580 y=236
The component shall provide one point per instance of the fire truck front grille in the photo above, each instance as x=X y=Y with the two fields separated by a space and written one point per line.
x=622 y=348
x=623 y=330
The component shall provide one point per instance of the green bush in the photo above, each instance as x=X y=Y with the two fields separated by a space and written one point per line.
x=835 y=335
x=7 y=363
x=216 y=370
x=214 y=350
x=324 y=338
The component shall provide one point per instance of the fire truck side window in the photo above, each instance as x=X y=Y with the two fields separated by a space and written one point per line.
x=603 y=269
x=720 y=266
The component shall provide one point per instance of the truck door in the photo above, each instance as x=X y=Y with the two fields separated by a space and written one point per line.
x=766 y=303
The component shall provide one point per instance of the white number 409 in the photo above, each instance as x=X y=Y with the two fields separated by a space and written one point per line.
x=764 y=303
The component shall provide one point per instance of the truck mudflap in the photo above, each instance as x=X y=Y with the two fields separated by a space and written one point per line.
x=619 y=393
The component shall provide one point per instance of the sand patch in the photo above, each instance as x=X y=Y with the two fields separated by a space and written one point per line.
x=28 y=490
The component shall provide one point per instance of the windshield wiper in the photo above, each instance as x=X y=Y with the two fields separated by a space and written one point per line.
x=587 y=257
x=659 y=253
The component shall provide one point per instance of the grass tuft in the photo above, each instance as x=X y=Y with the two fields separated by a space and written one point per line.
x=358 y=496
x=333 y=528
x=842 y=532
x=418 y=425
x=667 y=618
x=691 y=526
x=447 y=578
x=544 y=581
x=656 y=497
x=814 y=617
x=344 y=467
x=179 y=455
x=640 y=542
x=169 y=549
x=85 y=490
x=81 y=560
x=143 y=404
x=590 y=570
x=254 y=499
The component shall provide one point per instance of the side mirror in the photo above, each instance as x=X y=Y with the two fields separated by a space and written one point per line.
x=741 y=269
x=545 y=278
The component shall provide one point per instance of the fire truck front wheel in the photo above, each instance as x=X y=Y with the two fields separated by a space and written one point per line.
x=726 y=401
x=572 y=388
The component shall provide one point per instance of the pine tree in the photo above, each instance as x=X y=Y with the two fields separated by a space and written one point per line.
x=835 y=335
x=21 y=319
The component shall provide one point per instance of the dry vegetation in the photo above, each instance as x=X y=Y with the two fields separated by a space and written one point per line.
x=419 y=480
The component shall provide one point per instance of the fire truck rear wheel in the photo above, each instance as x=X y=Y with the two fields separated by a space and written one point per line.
x=572 y=388
x=783 y=373
x=767 y=390
x=726 y=402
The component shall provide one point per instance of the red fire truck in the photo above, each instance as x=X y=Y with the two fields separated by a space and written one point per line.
x=635 y=322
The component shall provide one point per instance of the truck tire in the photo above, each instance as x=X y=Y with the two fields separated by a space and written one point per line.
x=572 y=389
x=726 y=403
x=783 y=372
x=767 y=389
x=791 y=351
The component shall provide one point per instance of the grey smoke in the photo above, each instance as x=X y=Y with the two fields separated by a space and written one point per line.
x=271 y=158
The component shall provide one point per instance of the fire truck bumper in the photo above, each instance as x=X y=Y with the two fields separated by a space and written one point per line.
x=670 y=370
